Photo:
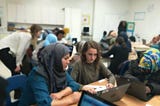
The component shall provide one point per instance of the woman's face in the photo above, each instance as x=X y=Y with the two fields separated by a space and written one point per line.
x=65 y=61
x=91 y=55
x=38 y=33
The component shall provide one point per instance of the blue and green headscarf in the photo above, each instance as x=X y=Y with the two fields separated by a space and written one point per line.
x=150 y=60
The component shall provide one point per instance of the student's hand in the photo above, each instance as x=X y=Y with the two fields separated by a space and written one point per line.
x=56 y=96
x=109 y=85
x=17 y=69
x=148 y=90
x=89 y=89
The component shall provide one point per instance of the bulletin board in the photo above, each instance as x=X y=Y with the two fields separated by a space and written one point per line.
x=130 y=27
x=139 y=16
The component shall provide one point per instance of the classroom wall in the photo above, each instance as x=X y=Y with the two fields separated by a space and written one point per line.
x=105 y=14
x=108 y=14
x=146 y=15
x=86 y=6
x=3 y=12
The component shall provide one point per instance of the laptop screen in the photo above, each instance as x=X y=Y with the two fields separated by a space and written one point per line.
x=88 y=99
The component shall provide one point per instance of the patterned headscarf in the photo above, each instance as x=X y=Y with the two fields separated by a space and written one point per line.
x=150 y=60
x=50 y=66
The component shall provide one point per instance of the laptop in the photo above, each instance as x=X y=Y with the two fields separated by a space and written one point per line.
x=136 y=88
x=88 y=99
x=114 y=94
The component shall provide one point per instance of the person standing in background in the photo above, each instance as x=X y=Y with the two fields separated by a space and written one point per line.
x=14 y=46
x=122 y=27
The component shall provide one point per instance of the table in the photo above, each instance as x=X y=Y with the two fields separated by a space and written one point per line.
x=129 y=100
x=139 y=46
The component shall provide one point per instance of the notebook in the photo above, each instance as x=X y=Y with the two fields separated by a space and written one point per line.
x=136 y=88
x=88 y=99
x=114 y=94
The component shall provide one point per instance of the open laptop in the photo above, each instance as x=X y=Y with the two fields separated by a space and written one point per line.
x=88 y=99
x=114 y=94
x=136 y=88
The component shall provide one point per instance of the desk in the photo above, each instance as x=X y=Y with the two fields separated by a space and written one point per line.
x=128 y=100
x=139 y=46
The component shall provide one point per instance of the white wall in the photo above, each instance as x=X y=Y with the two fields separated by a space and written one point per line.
x=108 y=14
x=150 y=25
x=86 y=6
x=35 y=8
x=3 y=15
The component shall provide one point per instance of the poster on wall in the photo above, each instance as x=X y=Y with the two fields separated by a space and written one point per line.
x=139 y=16
x=130 y=27
x=85 y=19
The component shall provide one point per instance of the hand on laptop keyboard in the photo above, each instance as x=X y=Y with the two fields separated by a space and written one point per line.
x=109 y=85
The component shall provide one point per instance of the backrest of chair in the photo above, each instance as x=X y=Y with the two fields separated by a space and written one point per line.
x=15 y=82
x=123 y=67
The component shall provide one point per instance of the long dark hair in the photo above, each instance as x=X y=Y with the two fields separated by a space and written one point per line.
x=122 y=26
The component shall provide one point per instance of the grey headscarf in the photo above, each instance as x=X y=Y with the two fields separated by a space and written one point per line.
x=50 y=66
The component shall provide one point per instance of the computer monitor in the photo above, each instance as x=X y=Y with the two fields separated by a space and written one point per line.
x=85 y=29
x=88 y=99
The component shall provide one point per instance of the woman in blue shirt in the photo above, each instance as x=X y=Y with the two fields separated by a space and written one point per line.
x=49 y=81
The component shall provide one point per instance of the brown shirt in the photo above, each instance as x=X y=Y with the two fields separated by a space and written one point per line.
x=85 y=73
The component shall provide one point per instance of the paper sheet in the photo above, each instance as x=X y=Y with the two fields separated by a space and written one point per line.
x=97 y=88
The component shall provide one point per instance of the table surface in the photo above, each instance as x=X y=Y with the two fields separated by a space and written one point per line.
x=139 y=46
x=129 y=100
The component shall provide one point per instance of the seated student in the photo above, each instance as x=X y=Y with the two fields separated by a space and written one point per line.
x=49 y=81
x=60 y=35
x=120 y=54
x=155 y=42
x=127 y=41
x=107 y=41
x=147 y=70
x=50 y=38
x=132 y=38
x=89 y=68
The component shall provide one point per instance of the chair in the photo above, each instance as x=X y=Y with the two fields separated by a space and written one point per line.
x=123 y=67
x=15 y=82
